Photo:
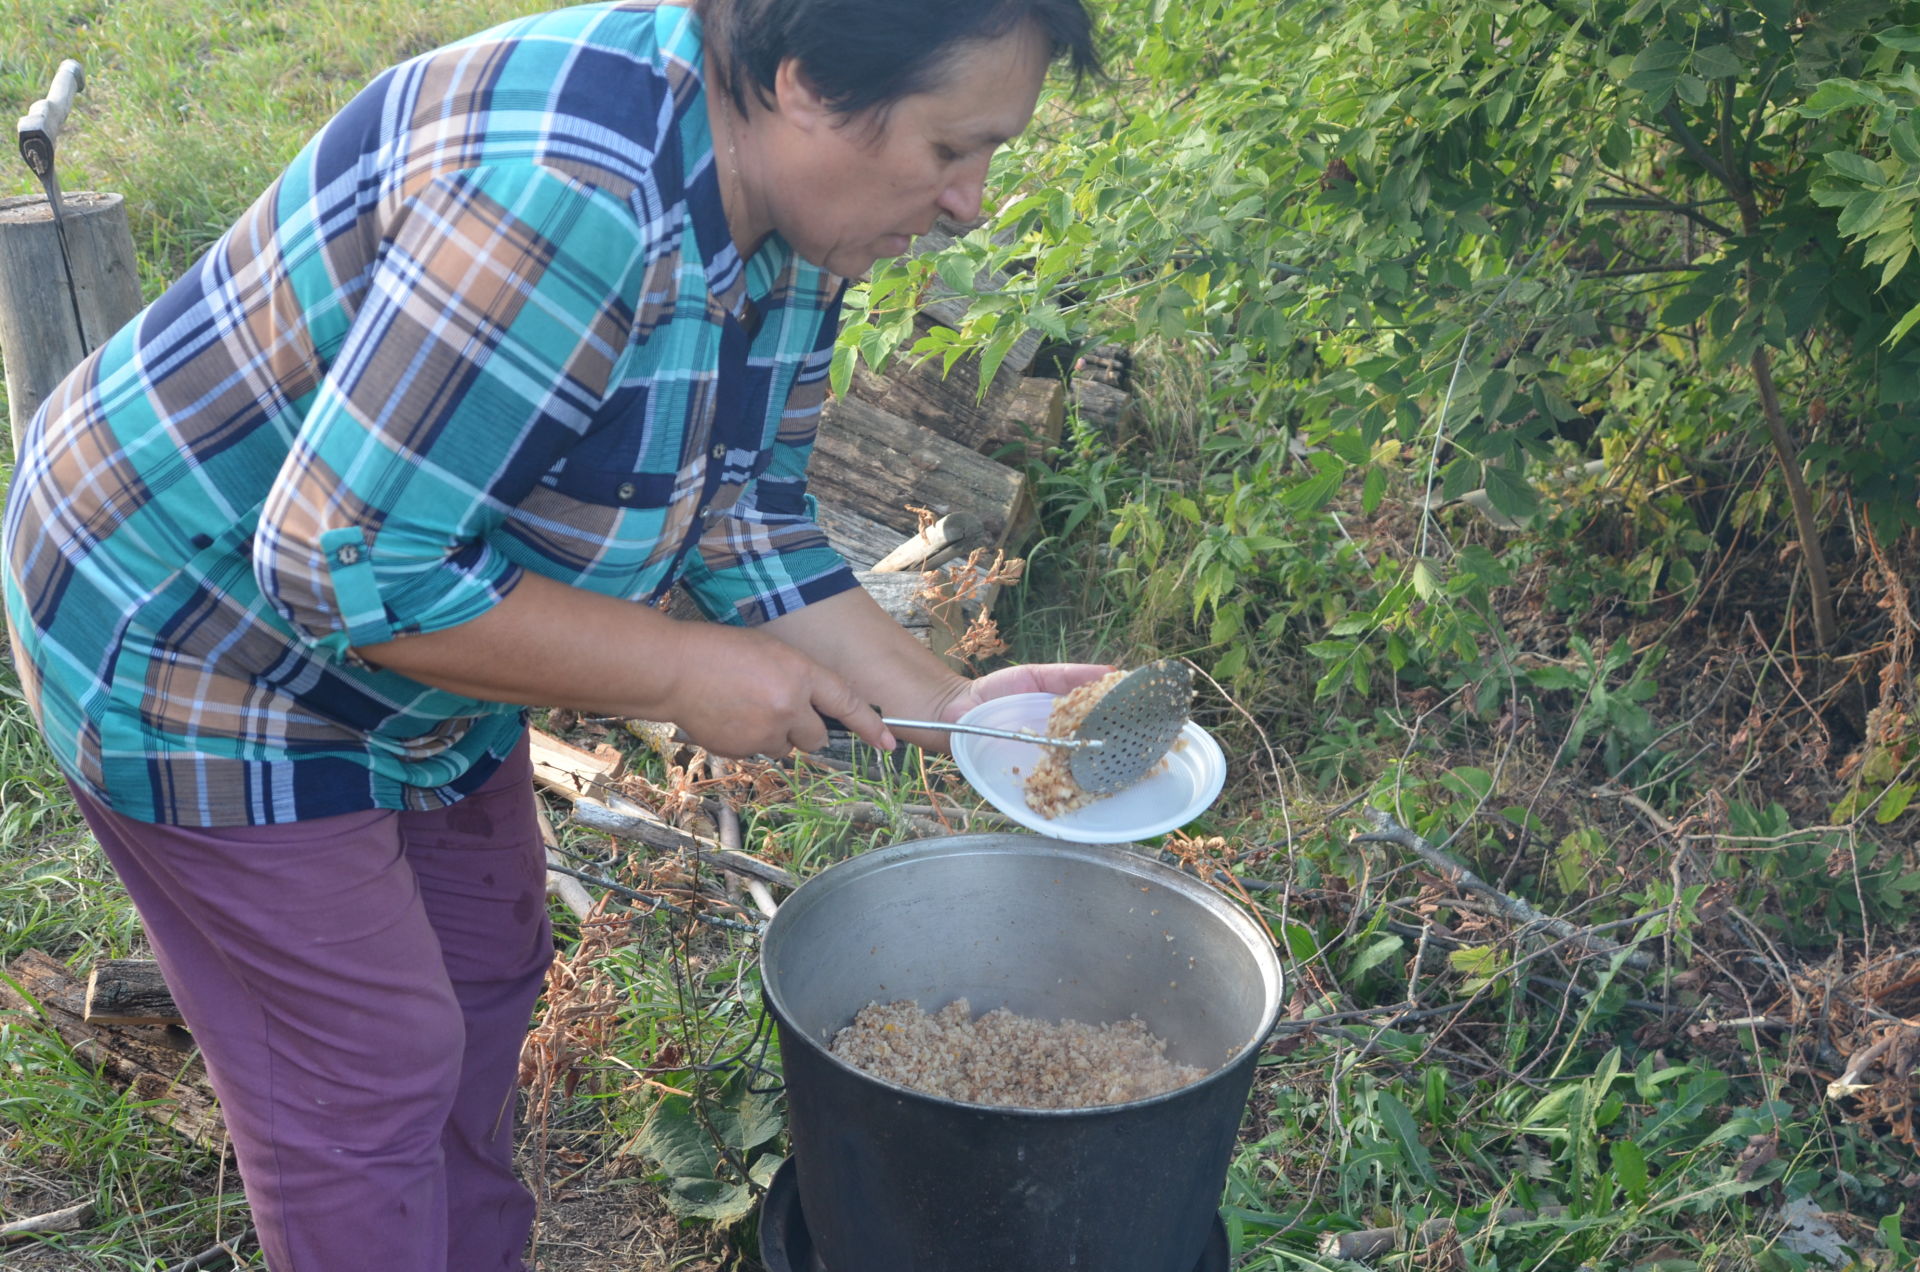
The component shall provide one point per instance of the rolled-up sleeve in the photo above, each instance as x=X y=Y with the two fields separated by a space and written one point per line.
x=767 y=556
x=492 y=324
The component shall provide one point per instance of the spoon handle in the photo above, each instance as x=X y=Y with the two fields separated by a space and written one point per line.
x=983 y=731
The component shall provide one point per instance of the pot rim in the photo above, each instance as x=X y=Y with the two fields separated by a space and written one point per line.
x=1114 y=856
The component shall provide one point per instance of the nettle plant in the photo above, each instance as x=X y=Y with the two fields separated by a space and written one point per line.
x=1431 y=244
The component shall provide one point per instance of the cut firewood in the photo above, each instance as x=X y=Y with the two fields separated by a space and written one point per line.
x=950 y=403
x=1035 y=415
x=1100 y=407
x=571 y=771
x=922 y=551
x=861 y=540
x=157 y=1066
x=129 y=991
x=873 y=463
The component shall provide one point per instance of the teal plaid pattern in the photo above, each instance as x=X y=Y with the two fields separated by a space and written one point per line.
x=488 y=321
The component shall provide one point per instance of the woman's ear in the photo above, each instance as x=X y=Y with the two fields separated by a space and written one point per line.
x=798 y=99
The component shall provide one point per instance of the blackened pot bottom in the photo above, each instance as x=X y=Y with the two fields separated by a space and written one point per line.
x=786 y=1247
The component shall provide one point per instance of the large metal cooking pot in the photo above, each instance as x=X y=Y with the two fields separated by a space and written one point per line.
x=892 y=1180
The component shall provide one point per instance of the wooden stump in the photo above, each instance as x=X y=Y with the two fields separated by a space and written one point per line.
x=38 y=340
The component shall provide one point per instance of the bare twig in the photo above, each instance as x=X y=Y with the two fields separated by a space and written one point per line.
x=652 y=902
x=214 y=1256
x=1392 y=832
x=644 y=828
x=564 y=886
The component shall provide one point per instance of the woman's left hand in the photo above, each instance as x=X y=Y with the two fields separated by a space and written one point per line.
x=1054 y=678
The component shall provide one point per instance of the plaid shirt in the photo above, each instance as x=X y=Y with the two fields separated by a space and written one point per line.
x=489 y=320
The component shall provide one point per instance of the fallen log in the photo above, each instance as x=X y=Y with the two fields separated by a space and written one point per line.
x=70 y=1219
x=157 y=1065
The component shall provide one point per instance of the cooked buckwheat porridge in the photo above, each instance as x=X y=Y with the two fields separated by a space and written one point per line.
x=1008 y=1060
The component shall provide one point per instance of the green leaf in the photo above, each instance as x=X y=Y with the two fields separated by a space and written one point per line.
x=1902 y=327
x=1397 y=1118
x=1316 y=491
x=1496 y=393
x=956 y=273
x=1716 y=61
x=717 y=1201
x=1481 y=965
x=1436 y=1093
x=1905 y=143
x=1905 y=39
x=1375 y=954
x=743 y=1118
x=1510 y=493
x=1630 y=1170
x=1300 y=940
x=674 y=1138
x=1228 y=621
x=1863 y=212
x=1840 y=94
x=1688 y=306
x=1894 y=802
x=1425 y=585
x=840 y=372
x=1373 y=490
x=1230 y=664
x=1856 y=167
x=1474 y=783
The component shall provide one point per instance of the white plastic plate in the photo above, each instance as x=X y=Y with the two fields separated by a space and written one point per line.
x=1163 y=801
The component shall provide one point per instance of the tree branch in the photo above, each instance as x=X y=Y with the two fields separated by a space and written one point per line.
x=1689 y=210
x=1390 y=831
x=1698 y=152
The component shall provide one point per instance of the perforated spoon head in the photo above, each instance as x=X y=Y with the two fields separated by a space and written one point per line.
x=1137 y=721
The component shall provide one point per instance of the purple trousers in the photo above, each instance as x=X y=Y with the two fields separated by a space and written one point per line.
x=360 y=987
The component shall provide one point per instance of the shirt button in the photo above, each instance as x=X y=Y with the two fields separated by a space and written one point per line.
x=348 y=555
x=625 y=492
x=720 y=450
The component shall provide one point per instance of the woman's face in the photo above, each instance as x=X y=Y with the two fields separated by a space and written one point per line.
x=848 y=190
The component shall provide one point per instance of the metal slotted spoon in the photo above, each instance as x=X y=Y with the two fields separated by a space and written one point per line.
x=1126 y=733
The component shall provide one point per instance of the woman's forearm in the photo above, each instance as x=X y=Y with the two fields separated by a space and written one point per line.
x=736 y=691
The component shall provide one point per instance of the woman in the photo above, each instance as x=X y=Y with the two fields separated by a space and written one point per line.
x=536 y=326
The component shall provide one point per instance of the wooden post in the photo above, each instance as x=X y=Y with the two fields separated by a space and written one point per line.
x=38 y=343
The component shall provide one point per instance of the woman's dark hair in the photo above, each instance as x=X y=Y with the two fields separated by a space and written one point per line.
x=867 y=54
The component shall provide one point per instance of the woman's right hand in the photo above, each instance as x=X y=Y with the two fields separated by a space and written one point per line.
x=744 y=693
